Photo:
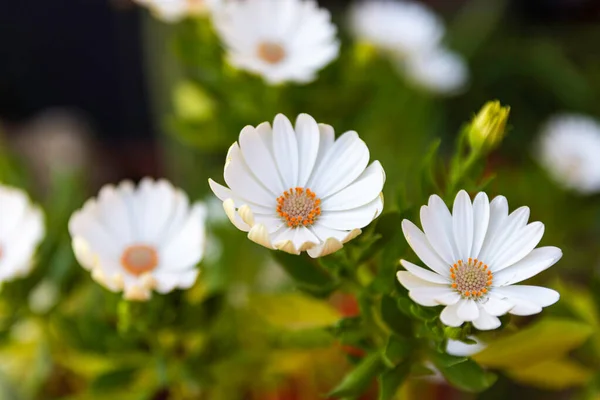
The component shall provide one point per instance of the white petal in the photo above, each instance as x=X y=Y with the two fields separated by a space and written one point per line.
x=329 y=246
x=462 y=349
x=159 y=201
x=418 y=242
x=467 y=310
x=224 y=193
x=541 y=296
x=449 y=315
x=360 y=192
x=498 y=216
x=437 y=225
x=481 y=219
x=496 y=306
x=412 y=282
x=285 y=147
x=307 y=134
x=301 y=238
x=534 y=263
x=167 y=282
x=486 y=322
x=462 y=224
x=448 y=297
x=13 y=206
x=185 y=249
x=423 y=273
x=350 y=219
x=260 y=160
x=427 y=296
x=241 y=181
x=519 y=245
x=513 y=224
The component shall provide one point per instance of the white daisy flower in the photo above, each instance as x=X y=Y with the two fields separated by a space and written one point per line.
x=281 y=40
x=475 y=256
x=297 y=188
x=405 y=28
x=569 y=149
x=135 y=239
x=438 y=70
x=21 y=231
x=176 y=10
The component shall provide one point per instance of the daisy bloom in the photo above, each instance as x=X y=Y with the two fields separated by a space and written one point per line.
x=568 y=148
x=404 y=28
x=475 y=256
x=281 y=40
x=297 y=188
x=135 y=239
x=439 y=71
x=176 y=10
x=21 y=231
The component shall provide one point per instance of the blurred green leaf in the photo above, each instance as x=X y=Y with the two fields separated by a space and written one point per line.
x=554 y=374
x=114 y=380
x=307 y=274
x=359 y=379
x=397 y=350
x=467 y=376
x=390 y=381
x=394 y=318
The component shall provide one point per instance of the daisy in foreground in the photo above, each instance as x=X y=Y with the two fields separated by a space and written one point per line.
x=135 y=239
x=475 y=256
x=297 y=188
x=21 y=230
x=281 y=40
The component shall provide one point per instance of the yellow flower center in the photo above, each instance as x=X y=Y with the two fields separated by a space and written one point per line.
x=471 y=279
x=139 y=259
x=270 y=52
x=299 y=207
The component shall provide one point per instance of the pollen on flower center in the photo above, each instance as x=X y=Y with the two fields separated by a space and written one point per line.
x=270 y=52
x=299 y=207
x=471 y=279
x=139 y=259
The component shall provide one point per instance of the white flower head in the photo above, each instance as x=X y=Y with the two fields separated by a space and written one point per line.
x=475 y=256
x=21 y=231
x=404 y=28
x=136 y=239
x=176 y=10
x=569 y=149
x=281 y=40
x=439 y=71
x=297 y=188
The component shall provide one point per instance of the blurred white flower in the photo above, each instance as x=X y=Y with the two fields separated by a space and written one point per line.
x=176 y=10
x=438 y=70
x=43 y=297
x=136 y=239
x=297 y=189
x=281 y=40
x=569 y=149
x=404 y=28
x=476 y=255
x=462 y=349
x=21 y=231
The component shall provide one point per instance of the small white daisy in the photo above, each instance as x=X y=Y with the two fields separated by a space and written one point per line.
x=135 y=239
x=281 y=40
x=297 y=188
x=438 y=70
x=21 y=231
x=476 y=255
x=176 y=10
x=569 y=149
x=404 y=28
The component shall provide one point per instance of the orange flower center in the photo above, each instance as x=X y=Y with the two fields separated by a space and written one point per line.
x=139 y=259
x=299 y=207
x=270 y=52
x=471 y=279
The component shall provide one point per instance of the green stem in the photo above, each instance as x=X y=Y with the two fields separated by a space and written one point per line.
x=461 y=171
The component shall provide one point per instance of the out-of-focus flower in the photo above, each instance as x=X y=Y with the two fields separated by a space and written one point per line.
x=21 y=230
x=176 y=10
x=297 y=189
x=461 y=349
x=281 y=40
x=439 y=71
x=569 y=149
x=487 y=129
x=136 y=239
x=476 y=255
x=44 y=296
x=404 y=28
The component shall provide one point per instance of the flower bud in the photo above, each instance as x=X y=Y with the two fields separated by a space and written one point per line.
x=487 y=129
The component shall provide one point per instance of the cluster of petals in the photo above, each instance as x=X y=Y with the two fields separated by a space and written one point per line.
x=297 y=188
x=476 y=255
x=141 y=238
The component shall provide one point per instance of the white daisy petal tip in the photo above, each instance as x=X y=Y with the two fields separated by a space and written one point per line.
x=299 y=41
x=135 y=239
x=297 y=189
x=22 y=229
x=476 y=254
x=173 y=11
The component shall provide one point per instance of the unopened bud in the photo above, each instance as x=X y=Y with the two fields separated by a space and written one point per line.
x=488 y=127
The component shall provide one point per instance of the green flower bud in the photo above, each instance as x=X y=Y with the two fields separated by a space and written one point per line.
x=487 y=129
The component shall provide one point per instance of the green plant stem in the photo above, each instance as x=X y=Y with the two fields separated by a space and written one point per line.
x=461 y=171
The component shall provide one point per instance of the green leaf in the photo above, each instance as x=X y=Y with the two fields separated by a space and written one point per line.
x=390 y=381
x=446 y=360
x=548 y=339
x=113 y=380
x=397 y=350
x=554 y=374
x=468 y=376
x=305 y=338
x=359 y=379
x=397 y=321
x=307 y=274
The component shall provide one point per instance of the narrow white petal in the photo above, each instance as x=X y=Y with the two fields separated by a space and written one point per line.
x=448 y=297
x=449 y=315
x=241 y=180
x=467 y=310
x=437 y=225
x=486 y=322
x=412 y=282
x=535 y=262
x=541 y=296
x=513 y=224
x=462 y=224
x=223 y=193
x=481 y=219
x=330 y=245
x=498 y=216
x=519 y=245
x=285 y=147
x=307 y=134
x=260 y=160
x=418 y=242
x=496 y=306
x=462 y=349
x=350 y=219
x=424 y=274
x=365 y=189
x=426 y=296
x=326 y=141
